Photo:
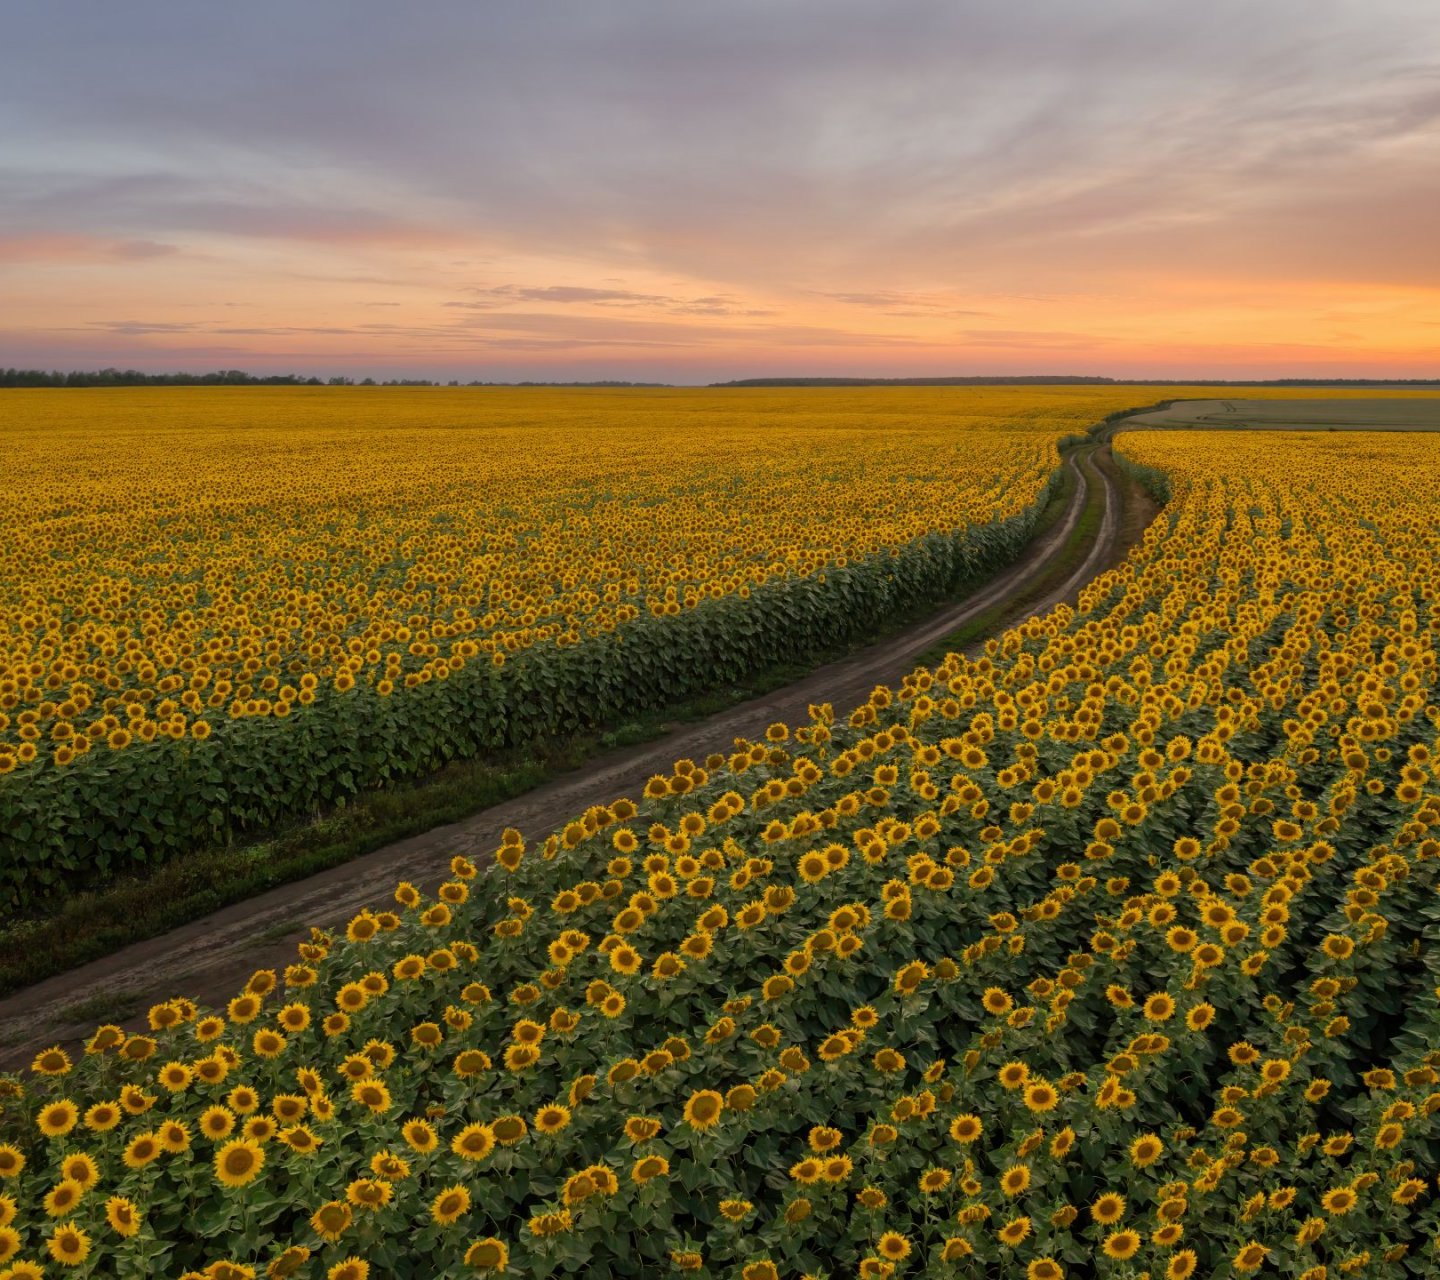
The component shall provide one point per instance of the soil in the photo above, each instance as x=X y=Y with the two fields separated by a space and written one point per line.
x=210 y=959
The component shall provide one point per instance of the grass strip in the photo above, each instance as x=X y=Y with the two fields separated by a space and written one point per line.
x=1069 y=557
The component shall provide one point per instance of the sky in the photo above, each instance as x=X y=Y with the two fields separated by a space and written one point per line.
x=688 y=192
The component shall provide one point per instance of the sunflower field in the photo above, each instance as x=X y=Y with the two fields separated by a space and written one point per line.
x=1111 y=952
x=222 y=609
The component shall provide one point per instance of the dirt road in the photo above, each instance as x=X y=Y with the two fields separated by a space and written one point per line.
x=210 y=959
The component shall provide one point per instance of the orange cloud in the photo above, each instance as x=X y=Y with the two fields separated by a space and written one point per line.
x=67 y=248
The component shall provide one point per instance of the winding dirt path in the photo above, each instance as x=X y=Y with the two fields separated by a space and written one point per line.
x=211 y=958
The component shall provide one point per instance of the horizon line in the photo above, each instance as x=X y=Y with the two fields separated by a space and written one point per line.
x=15 y=378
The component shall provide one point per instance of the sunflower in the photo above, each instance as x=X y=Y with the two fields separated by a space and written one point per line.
x=1015 y=1180
x=102 y=1117
x=1249 y=1257
x=1013 y=1075
x=122 y=1215
x=53 y=1061
x=509 y=1130
x=822 y=1138
x=1108 y=1208
x=1014 y=1231
x=449 y=1204
x=813 y=867
x=419 y=1136
x=243 y=1009
x=742 y=1097
x=56 y=1119
x=69 y=1246
x=703 y=1109
x=934 y=1180
x=996 y=1001
x=259 y=1129
x=372 y=1095
x=1182 y=1265
x=837 y=1169
x=965 y=1129
x=301 y=1139
x=288 y=1263
x=1388 y=1136
x=387 y=1165
x=289 y=1107
x=488 y=1254
x=807 y=1171
x=476 y=1141
x=1200 y=1017
x=173 y=1136
x=1041 y=1096
x=552 y=1118
x=1408 y=1191
x=141 y=1150
x=64 y=1198
x=1174 y=1206
x=175 y=1076
x=331 y=1220
x=1168 y=1236
x=893 y=1246
x=80 y=1167
x=1122 y=1244
x=1159 y=1007
x=268 y=1043
x=641 y=1129
x=212 y=1070
x=649 y=1167
x=239 y=1162
x=1338 y=1201
x=242 y=1100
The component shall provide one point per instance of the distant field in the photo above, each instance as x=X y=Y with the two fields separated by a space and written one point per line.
x=1390 y=413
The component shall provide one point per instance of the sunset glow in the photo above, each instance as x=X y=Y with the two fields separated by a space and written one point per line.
x=689 y=193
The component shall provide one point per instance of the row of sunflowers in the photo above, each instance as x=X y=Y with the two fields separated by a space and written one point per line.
x=1110 y=952
x=340 y=589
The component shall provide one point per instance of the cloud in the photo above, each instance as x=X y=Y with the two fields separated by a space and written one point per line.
x=817 y=173
x=497 y=296
x=41 y=248
x=621 y=332
x=567 y=293
x=878 y=299
x=1034 y=339
x=132 y=328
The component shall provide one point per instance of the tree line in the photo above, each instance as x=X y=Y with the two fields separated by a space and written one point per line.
x=239 y=378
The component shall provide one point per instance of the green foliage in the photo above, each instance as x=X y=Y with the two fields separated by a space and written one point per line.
x=112 y=814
